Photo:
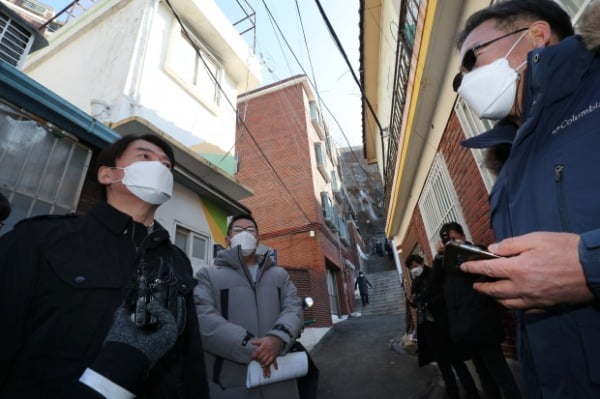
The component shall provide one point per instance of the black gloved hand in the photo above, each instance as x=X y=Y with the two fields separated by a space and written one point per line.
x=153 y=344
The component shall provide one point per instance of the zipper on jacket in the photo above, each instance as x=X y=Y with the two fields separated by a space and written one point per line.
x=562 y=208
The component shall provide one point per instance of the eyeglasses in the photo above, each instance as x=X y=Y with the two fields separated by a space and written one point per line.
x=470 y=57
x=239 y=229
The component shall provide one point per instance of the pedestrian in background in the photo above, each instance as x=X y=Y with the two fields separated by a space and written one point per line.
x=433 y=336
x=363 y=285
x=522 y=61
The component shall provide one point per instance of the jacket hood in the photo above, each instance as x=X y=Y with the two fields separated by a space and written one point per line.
x=589 y=26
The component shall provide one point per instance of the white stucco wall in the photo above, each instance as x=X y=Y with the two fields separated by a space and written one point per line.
x=170 y=104
x=84 y=61
x=184 y=208
x=116 y=53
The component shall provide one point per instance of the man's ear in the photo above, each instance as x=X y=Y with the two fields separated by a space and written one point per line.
x=105 y=175
x=540 y=33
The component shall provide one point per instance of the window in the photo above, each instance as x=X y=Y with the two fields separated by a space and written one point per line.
x=574 y=7
x=317 y=119
x=194 y=244
x=472 y=126
x=343 y=230
x=438 y=203
x=330 y=149
x=41 y=169
x=332 y=290
x=328 y=209
x=194 y=67
x=15 y=41
x=321 y=161
x=35 y=7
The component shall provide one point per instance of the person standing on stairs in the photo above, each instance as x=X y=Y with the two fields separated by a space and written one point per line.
x=363 y=287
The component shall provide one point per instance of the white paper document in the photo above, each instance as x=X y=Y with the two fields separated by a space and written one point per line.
x=292 y=365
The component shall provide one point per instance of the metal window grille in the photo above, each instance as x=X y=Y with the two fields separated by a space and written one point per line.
x=15 y=41
x=41 y=169
x=409 y=14
x=438 y=203
x=472 y=126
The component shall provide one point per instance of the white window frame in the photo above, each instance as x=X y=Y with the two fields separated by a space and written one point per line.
x=189 y=249
x=321 y=160
x=439 y=203
x=472 y=126
x=173 y=66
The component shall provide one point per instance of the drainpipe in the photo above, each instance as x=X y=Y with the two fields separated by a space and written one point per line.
x=397 y=260
x=132 y=86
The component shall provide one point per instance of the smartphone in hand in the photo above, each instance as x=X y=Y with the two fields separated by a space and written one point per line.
x=455 y=253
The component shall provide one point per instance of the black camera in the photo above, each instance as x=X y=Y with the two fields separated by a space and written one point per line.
x=151 y=285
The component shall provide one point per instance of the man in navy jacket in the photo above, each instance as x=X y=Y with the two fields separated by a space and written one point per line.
x=546 y=202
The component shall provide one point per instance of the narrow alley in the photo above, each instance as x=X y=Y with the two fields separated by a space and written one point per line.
x=362 y=357
x=356 y=360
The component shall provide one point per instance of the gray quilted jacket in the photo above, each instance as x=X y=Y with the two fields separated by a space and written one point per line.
x=232 y=309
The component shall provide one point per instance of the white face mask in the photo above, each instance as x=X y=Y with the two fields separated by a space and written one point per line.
x=416 y=271
x=150 y=181
x=245 y=240
x=491 y=90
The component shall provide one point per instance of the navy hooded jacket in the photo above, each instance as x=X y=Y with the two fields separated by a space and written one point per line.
x=551 y=182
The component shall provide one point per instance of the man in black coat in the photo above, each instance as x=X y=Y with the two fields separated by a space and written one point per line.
x=475 y=322
x=100 y=305
x=433 y=336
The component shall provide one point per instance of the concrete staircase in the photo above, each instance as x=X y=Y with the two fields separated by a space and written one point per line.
x=387 y=296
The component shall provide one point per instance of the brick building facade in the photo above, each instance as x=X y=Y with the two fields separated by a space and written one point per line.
x=285 y=155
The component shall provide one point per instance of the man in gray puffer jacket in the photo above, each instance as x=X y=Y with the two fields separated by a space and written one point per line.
x=248 y=309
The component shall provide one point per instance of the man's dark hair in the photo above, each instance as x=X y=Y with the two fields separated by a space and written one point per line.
x=4 y=207
x=241 y=216
x=447 y=227
x=109 y=155
x=510 y=14
x=414 y=258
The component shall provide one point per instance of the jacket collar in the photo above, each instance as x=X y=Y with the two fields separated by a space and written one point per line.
x=232 y=257
x=111 y=218
x=553 y=73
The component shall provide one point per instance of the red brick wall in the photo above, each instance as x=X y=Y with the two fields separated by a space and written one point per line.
x=469 y=186
x=277 y=122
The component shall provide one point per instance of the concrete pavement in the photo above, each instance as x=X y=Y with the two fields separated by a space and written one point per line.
x=355 y=360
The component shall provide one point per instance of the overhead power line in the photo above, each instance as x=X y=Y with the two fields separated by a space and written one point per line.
x=278 y=29
x=343 y=52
